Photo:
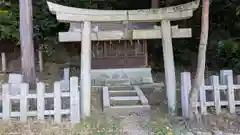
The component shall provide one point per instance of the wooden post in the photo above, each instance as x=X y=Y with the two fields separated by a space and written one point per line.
x=185 y=89
x=24 y=102
x=26 y=38
x=231 y=99
x=217 y=100
x=86 y=70
x=74 y=101
x=57 y=103
x=6 y=103
x=40 y=60
x=170 y=78
x=40 y=100
x=4 y=63
x=223 y=80
x=106 y=101
x=202 y=94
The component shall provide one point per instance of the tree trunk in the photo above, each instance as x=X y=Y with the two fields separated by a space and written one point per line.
x=154 y=3
x=26 y=37
x=193 y=95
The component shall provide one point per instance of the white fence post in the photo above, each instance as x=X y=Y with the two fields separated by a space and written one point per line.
x=40 y=100
x=4 y=63
x=185 y=88
x=223 y=79
x=65 y=82
x=223 y=74
x=215 y=83
x=74 y=101
x=231 y=99
x=66 y=73
x=23 y=101
x=57 y=102
x=238 y=90
x=6 y=102
x=202 y=93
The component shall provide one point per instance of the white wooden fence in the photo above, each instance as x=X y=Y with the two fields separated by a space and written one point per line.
x=40 y=96
x=223 y=85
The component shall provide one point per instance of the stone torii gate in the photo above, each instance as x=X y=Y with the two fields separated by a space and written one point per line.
x=85 y=24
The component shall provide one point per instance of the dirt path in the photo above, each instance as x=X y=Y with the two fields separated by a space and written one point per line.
x=132 y=125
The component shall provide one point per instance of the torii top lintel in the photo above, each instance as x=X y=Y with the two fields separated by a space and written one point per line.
x=71 y=14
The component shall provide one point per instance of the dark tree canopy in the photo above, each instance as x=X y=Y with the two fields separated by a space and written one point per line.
x=223 y=49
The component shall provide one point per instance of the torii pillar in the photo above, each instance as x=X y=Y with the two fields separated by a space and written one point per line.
x=168 y=56
x=85 y=83
x=169 y=66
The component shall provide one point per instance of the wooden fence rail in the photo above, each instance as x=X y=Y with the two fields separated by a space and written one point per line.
x=4 y=63
x=40 y=113
x=214 y=92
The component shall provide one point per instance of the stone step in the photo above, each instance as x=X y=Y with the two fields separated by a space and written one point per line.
x=125 y=103
x=126 y=110
x=125 y=100
x=130 y=107
x=122 y=93
x=117 y=82
x=111 y=88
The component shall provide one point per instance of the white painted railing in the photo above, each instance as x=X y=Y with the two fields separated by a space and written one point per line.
x=40 y=96
x=215 y=92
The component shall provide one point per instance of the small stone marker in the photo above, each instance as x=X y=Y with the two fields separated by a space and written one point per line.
x=15 y=81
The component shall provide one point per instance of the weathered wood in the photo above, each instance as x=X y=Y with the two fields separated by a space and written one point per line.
x=106 y=99
x=237 y=90
x=40 y=100
x=86 y=70
x=72 y=14
x=141 y=95
x=57 y=111
x=201 y=59
x=24 y=102
x=4 y=62
x=118 y=35
x=6 y=102
x=231 y=98
x=185 y=89
x=57 y=103
x=214 y=86
x=26 y=38
x=65 y=82
x=223 y=76
x=40 y=60
x=169 y=68
x=223 y=80
x=203 y=101
x=217 y=101
x=74 y=101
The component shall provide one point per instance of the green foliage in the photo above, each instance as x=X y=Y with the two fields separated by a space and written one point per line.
x=229 y=54
x=223 y=51
x=45 y=24
x=9 y=21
